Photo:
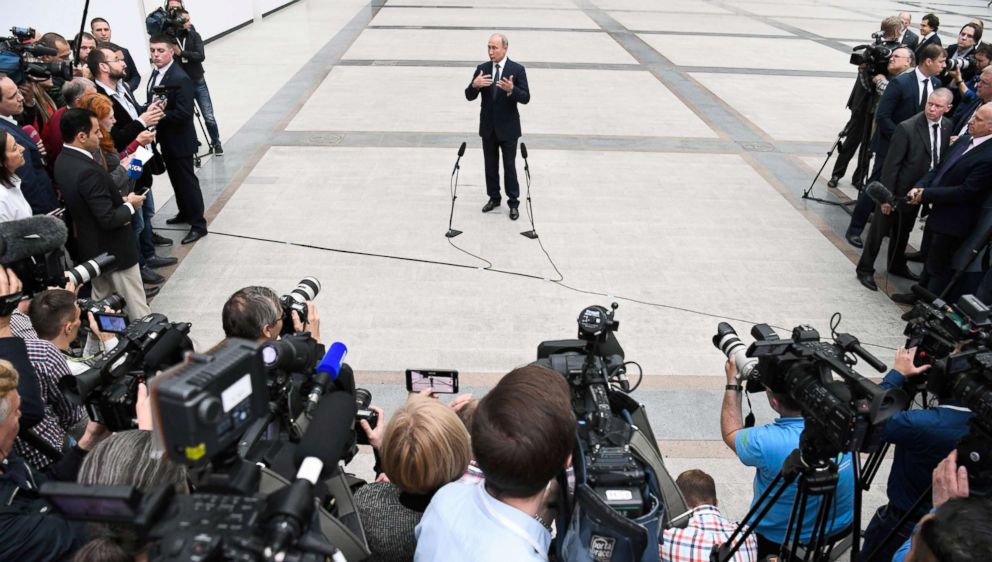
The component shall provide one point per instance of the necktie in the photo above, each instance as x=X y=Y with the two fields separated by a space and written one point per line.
x=957 y=151
x=934 y=148
x=151 y=83
x=926 y=94
x=495 y=81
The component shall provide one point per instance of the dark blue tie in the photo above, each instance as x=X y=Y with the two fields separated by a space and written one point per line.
x=957 y=151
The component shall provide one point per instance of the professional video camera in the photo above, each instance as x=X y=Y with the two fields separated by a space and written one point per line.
x=296 y=301
x=936 y=329
x=20 y=60
x=209 y=402
x=874 y=57
x=109 y=388
x=169 y=21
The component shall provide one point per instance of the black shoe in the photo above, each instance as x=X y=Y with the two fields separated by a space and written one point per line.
x=914 y=257
x=151 y=291
x=868 y=281
x=904 y=298
x=854 y=240
x=150 y=277
x=514 y=214
x=906 y=274
x=160 y=240
x=193 y=236
x=490 y=205
x=178 y=219
x=218 y=149
x=156 y=262
x=833 y=181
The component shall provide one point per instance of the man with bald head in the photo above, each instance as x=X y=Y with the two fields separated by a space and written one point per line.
x=909 y=38
x=502 y=84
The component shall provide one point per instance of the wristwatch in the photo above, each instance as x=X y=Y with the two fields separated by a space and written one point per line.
x=734 y=387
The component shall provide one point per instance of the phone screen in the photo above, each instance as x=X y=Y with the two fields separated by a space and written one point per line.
x=111 y=323
x=441 y=382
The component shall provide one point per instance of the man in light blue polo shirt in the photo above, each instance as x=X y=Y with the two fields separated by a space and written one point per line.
x=766 y=448
x=523 y=433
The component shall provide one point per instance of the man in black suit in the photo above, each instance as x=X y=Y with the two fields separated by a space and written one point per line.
x=101 y=30
x=963 y=52
x=905 y=96
x=928 y=33
x=101 y=215
x=917 y=146
x=908 y=38
x=177 y=136
x=956 y=189
x=35 y=183
x=983 y=91
x=503 y=84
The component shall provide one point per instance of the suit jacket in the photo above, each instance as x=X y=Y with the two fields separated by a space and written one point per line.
x=910 y=39
x=964 y=113
x=965 y=184
x=176 y=133
x=102 y=223
x=900 y=101
x=35 y=183
x=499 y=113
x=125 y=129
x=909 y=156
x=932 y=40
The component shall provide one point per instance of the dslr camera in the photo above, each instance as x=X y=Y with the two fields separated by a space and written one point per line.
x=296 y=301
x=21 y=60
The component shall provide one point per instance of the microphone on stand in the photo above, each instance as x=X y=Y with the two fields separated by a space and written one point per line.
x=532 y=233
x=454 y=193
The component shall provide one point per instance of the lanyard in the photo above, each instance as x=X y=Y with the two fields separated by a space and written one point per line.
x=506 y=523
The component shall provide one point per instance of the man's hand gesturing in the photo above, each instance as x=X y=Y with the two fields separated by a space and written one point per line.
x=506 y=84
x=482 y=81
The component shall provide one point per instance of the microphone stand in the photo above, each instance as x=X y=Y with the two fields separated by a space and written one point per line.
x=453 y=186
x=532 y=233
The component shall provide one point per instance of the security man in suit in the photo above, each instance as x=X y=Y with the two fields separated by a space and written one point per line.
x=916 y=148
x=956 y=189
x=503 y=84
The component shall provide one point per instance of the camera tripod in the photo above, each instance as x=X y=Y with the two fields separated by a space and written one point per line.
x=203 y=129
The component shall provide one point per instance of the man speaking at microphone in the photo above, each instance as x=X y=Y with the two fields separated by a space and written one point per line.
x=917 y=146
x=502 y=84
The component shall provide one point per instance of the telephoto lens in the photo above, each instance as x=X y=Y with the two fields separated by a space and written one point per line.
x=296 y=301
x=306 y=290
x=90 y=269
x=729 y=344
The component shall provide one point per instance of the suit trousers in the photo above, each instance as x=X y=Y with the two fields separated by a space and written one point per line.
x=126 y=283
x=491 y=148
x=897 y=226
x=186 y=185
x=849 y=148
x=940 y=256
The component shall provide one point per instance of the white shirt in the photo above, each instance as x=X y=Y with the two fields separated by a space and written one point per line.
x=9 y=120
x=120 y=94
x=920 y=77
x=975 y=142
x=502 y=67
x=927 y=36
x=13 y=205
x=161 y=74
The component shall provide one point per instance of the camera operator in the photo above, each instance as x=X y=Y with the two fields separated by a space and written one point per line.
x=55 y=41
x=766 y=448
x=190 y=53
x=35 y=183
x=922 y=438
x=523 y=434
x=928 y=34
x=859 y=97
x=29 y=530
x=959 y=529
x=254 y=313
x=101 y=30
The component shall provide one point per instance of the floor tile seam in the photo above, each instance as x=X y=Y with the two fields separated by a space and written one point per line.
x=770 y=20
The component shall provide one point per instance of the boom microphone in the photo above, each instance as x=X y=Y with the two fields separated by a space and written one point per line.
x=523 y=150
x=28 y=237
x=330 y=432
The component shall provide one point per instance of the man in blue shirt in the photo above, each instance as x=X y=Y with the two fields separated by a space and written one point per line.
x=523 y=433
x=766 y=448
x=921 y=438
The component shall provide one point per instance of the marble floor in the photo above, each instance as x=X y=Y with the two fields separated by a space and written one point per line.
x=669 y=144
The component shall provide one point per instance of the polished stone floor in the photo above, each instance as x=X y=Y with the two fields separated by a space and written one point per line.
x=669 y=144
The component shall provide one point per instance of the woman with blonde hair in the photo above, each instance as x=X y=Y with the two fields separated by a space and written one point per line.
x=423 y=447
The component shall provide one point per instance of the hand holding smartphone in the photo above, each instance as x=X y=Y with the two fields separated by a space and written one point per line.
x=440 y=382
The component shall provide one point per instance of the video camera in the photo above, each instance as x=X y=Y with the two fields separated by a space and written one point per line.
x=173 y=22
x=874 y=57
x=841 y=415
x=21 y=60
x=936 y=329
x=108 y=390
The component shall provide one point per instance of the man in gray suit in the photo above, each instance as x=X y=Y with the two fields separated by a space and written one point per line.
x=908 y=38
x=917 y=146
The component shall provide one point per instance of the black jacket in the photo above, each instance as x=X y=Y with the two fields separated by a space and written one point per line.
x=131 y=76
x=932 y=40
x=910 y=39
x=900 y=101
x=909 y=155
x=499 y=112
x=193 y=54
x=32 y=406
x=965 y=184
x=176 y=133
x=35 y=183
x=102 y=221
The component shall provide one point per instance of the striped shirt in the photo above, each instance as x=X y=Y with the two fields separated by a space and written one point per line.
x=706 y=529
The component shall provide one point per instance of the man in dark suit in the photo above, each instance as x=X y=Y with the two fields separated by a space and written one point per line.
x=916 y=148
x=35 y=183
x=177 y=135
x=101 y=30
x=956 y=189
x=101 y=215
x=928 y=33
x=905 y=96
x=908 y=38
x=983 y=91
x=502 y=84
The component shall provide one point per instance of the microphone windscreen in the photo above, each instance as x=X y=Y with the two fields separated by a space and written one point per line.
x=878 y=193
x=134 y=169
x=523 y=150
x=330 y=365
x=30 y=237
x=330 y=431
x=461 y=150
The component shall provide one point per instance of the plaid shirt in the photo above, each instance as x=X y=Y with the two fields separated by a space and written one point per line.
x=60 y=414
x=20 y=326
x=706 y=529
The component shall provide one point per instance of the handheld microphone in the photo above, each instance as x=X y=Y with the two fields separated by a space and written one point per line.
x=28 y=237
x=461 y=152
x=33 y=133
x=523 y=150
x=134 y=170
x=328 y=371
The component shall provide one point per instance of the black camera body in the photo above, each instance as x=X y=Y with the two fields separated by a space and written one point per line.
x=874 y=57
x=363 y=399
x=20 y=60
x=296 y=301
x=173 y=22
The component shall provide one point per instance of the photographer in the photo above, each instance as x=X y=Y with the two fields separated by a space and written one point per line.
x=766 y=448
x=190 y=54
x=921 y=438
x=961 y=55
x=523 y=434
x=254 y=313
